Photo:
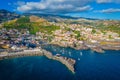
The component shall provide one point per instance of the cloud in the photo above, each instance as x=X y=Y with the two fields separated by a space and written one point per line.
x=104 y=1
x=61 y=6
x=108 y=1
x=55 y=6
x=111 y=10
x=85 y=8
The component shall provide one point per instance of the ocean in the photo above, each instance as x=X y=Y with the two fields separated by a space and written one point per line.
x=89 y=66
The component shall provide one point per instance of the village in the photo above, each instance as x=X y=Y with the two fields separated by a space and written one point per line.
x=81 y=37
x=34 y=30
x=69 y=35
x=14 y=39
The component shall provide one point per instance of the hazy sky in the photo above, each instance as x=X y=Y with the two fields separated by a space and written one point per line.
x=103 y=9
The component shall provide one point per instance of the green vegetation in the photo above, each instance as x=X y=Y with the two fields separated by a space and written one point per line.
x=50 y=38
x=93 y=31
x=68 y=29
x=9 y=25
x=33 y=27
x=110 y=37
x=78 y=35
x=21 y=23
x=48 y=29
x=23 y=20
x=112 y=28
x=103 y=32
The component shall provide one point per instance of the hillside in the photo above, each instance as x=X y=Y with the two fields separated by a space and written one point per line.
x=33 y=24
x=36 y=22
x=56 y=18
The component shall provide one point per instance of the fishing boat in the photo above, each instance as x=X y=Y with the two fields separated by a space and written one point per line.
x=81 y=54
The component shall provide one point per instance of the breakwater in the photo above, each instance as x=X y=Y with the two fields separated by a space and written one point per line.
x=68 y=62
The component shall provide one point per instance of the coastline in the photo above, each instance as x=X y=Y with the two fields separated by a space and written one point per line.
x=94 y=47
x=68 y=62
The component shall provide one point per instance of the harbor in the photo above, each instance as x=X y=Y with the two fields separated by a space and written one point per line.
x=68 y=62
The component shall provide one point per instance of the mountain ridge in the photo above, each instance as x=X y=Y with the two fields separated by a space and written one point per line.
x=53 y=16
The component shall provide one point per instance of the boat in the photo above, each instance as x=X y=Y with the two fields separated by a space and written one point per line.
x=58 y=55
x=69 y=53
x=81 y=54
x=78 y=59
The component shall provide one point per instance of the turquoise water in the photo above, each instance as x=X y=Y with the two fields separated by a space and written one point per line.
x=89 y=66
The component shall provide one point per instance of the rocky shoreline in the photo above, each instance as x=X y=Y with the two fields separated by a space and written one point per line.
x=68 y=62
x=94 y=47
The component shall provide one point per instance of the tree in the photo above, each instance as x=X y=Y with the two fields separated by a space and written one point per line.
x=93 y=31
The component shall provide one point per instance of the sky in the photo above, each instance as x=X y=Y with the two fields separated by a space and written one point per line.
x=100 y=9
